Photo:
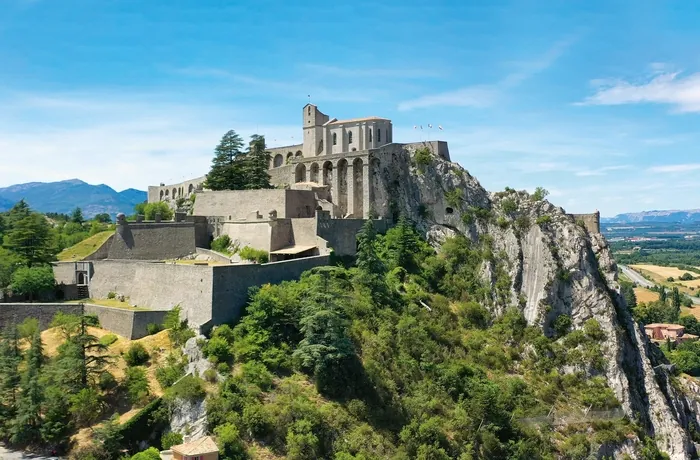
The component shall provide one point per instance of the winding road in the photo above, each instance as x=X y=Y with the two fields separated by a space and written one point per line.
x=6 y=454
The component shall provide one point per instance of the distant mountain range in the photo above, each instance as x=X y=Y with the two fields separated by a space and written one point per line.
x=691 y=215
x=65 y=196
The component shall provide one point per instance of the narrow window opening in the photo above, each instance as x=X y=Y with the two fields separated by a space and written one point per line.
x=350 y=137
x=335 y=138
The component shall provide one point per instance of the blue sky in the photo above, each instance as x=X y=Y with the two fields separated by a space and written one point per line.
x=597 y=101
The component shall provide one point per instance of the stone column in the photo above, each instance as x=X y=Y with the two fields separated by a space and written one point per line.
x=327 y=141
x=366 y=186
x=335 y=191
x=361 y=136
x=350 y=178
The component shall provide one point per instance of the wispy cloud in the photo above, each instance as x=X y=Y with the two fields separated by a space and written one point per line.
x=480 y=96
x=669 y=88
x=675 y=168
x=349 y=72
x=601 y=171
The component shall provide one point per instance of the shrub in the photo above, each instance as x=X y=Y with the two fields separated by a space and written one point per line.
x=221 y=244
x=189 y=388
x=229 y=441
x=423 y=158
x=454 y=197
x=522 y=223
x=210 y=375
x=170 y=439
x=111 y=295
x=136 y=355
x=509 y=205
x=254 y=255
x=686 y=277
x=543 y=220
x=218 y=348
x=154 y=328
x=502 y=222
x=257 y=374
x=593 y=330
x=223 y=368
x=160 y=207
x=136 y=385
x=540 y=194
x=174 y=369
x=108 y=339
x=149 y=454
x=671 y=279
x=562 y=324
x=107 y=381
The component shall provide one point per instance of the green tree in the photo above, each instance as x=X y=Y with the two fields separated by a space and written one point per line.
x=32 y=281
x=371 y=269
x=136 y=385
x=227 y=170
x=662 y=294
x=149 y=454
x=258 y=161
x=676 y=301
x=18 y=212
x=103 y=218
x=27 y=423
x=230 y=445
x=56 y=424
x=77 y=216
x=9 y=262
x=86 y=407
x=160 y=207
x=170 y=439
x=627 y=290
x=32 y=239
x=10 y=359
x=540 y=194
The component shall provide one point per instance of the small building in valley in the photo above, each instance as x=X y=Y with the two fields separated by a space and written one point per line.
x=202 y=449
x=664 y=331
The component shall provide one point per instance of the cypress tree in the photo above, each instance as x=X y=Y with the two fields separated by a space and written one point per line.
x=676 y=303
x=27 y=424
x=10 y=359
x=258 y=160
x=227 y=170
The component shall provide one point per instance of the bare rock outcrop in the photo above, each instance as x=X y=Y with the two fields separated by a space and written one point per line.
x=556 y=267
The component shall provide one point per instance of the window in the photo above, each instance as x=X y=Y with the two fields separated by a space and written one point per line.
x=309 y=110
x=350 y=137
x=335 y=138
x=379 y=135
x=370 y=136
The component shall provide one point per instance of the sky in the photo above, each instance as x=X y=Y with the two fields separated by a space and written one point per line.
x=597 y=101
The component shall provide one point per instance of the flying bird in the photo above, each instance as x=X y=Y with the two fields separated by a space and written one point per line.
x=440 y=127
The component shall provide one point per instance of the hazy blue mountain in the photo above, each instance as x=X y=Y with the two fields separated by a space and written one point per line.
x=64 y=196
x=691 y=215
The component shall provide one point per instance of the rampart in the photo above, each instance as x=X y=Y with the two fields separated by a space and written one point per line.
x=439 y=148
x=239 y=204
x=152 y=241
x=591 y=221
x=130 y=324
x=175 y=191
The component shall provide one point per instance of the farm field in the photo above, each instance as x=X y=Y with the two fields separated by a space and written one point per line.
x=664 y=272
x=645 y=295
x=660 y=275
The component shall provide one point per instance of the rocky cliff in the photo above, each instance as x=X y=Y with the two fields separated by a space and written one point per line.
x=555 y=267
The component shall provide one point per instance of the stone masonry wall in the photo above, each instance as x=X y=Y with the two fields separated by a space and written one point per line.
x=239 y=204
x=15 y=313
x=153 y=241
x=341 y=234
x=591 y=221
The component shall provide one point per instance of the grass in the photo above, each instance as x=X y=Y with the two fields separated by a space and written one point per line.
x=84 y=248
x=114 y=303
x=645 y=295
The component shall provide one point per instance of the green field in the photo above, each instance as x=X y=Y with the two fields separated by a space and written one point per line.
x=84 y=248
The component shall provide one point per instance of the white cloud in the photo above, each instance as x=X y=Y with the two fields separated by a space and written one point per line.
x=683 y=93
x=600 y=171
x=675 y=168
x=487 y=95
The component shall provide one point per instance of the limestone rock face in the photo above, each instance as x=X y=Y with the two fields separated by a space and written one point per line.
x=555 y=267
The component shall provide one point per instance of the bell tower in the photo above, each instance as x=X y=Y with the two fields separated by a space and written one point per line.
x=313 y=120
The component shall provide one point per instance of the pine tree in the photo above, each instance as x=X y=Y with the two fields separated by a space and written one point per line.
x=371 y=269
x=406 y=243
x=27 y=424
x=18 y=212
x=258 y=160
x=227 y=170
x=32 y=239
x=662 y=294
x=676 y=303
x=10 y=359
x=77 y=216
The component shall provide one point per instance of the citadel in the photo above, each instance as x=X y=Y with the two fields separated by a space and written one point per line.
x=345 y=173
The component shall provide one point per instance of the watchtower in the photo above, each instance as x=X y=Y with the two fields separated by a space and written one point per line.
x=313 y=120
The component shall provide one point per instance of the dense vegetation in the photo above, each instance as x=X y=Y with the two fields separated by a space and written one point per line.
x=406 y=361
x=31 y=240
x=674 y=252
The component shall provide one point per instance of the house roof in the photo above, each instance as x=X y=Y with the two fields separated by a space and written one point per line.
x=353 y=120
x=664 y=326
x=201 y=446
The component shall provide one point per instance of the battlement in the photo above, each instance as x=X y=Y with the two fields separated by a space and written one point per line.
x=590 y=221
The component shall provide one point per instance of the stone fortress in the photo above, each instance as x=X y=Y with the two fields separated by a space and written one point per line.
x=326 y=189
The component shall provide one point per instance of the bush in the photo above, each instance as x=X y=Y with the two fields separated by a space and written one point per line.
x=107 y=381
x=670 y=279
x=454 y=197
x=229 y=440
x=111 y=295
x=223 y=368
x=210 y=375
x=254 y=255
x=170 y=439
x=540 y=194
x=149 y=454
x=543 y=220
x=423 y=158
x=108 y=339
x=174 y=369
x=593 y=330
x=257 y=374
x=136 y=355
x=509 y=205
x=219 y=349
x=136 y=385
x=562 y=325
x=160 y=207
x=222 y=244
x=686 y=277
x=190 y=388
x=154 y=328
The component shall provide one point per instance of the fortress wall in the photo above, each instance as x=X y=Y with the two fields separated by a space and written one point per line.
x=439 y=148
x=64 y=272
x=232 y=283
x=281 y=176
x=153 y=241
x=239 y=204
x=16 y=313
x=341 y=234
x=157 y=286
x=130 y=324
x=253 y=234
x=182 y=189
x=281 y=233
x=304 y=231
x=591 y=221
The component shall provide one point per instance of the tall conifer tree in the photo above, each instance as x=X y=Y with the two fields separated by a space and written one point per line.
x=227 y=171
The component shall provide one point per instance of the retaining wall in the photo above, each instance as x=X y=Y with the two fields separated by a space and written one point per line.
x=153 y=241
x=590 y=221
x=239 y=204
x=16 y=313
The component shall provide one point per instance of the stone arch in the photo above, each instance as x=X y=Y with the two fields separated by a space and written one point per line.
x=174 y=193
x=167 y=193
x=290 y=155
x=299 y=154
x=314 y=173
x=300 y=173
x=161 y=195
x=328 y=173
x=82 y=279
x=190 y=189
x=358 y=178
x=342 y=172
x=277 y=162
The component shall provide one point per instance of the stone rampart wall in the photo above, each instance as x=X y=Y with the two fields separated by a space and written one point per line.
x=439 y=148
x=153 y=241
x=252 y=233
x=16 y=313
x=240 y=204
x=341 y=234
x=175 y=191
x=591 y=221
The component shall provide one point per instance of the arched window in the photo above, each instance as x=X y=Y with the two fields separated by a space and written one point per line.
x=370 y=136
x=279 y=159
x=298 y=154
x=379 y=135
x=350 y=137
x=161 y=195
x=335 y=138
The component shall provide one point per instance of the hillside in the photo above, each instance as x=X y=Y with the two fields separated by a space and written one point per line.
x=691 y=215
x=64 y=196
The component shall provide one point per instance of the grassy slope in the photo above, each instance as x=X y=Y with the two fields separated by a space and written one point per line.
x=84 y=248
